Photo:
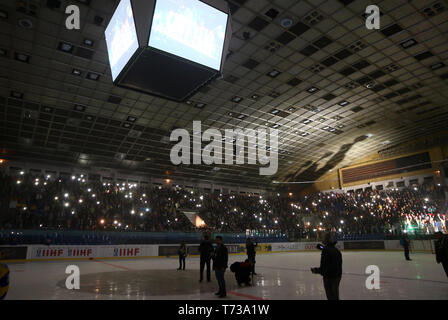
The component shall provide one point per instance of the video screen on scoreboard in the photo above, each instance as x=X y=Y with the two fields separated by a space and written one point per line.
x=189 y=29
x=121 y=37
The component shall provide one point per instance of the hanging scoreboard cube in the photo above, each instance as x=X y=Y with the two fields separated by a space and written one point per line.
x=168 y=48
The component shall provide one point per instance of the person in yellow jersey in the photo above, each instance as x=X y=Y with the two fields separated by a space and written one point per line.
x=4 y=279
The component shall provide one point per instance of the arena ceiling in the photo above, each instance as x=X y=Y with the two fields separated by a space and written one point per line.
x=336 y=90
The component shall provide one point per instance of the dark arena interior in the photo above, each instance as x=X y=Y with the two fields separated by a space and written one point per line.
x=294 y=149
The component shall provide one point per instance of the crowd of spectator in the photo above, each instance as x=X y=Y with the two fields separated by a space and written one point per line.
x=44 y=202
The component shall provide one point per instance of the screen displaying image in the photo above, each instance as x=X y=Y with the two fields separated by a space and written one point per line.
x=121 y=38
x=189 y=29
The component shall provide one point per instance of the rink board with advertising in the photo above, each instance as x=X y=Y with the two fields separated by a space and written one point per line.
x=66 y=252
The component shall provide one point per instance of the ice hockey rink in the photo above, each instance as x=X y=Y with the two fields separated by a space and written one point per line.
x=281 y=276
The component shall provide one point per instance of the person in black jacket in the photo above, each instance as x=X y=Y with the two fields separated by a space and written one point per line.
x=182 y=255
x=405 y=242
x=251 y=252
x=206 y=251
x=441 y=247
x=220 y=259
x=330 y=267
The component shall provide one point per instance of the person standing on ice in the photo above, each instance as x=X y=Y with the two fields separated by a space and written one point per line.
x=205 y=250
x=441 y=247
x=220 y=260
x=405 y=243
x=251 y=253
x=182 y=255
x=330 y=267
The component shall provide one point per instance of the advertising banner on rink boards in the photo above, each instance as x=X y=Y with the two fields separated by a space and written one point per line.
x=79 y=252
x=260 y=248
x=392 y=245
x=61 y=252
x=300 y=246
x=13 y=252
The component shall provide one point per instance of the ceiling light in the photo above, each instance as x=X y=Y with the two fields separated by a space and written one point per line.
x=200 y=105
x=88 y=42
x=131 y=119
x=274 y=73
x=286 y=22
x=304 y=134
x=65 y=47
x=275 y=111
x=126 y=125
x=237 y=99
x=241 y=116
x=17 y=95
x=255 y=96
x=189 y=102
x=291 y=109
x=275 y=126
x=76 y=72
x=306 y=121
x=93 y=76
x=25 y=23
x=90 y=118
x=79 y=107
x=22 y=57
x=437 y=66
x=312 y=90
x=408 y=43
x=370 y=85
x=343 y=103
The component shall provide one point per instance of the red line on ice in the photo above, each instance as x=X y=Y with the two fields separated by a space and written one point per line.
x=113 y=265
x=248 y=296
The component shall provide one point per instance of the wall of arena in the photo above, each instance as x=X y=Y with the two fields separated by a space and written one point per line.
x=53 y=253
x=388 y=184
x=333 y=180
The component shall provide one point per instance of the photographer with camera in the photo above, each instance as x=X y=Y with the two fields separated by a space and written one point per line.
x=330 y=267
